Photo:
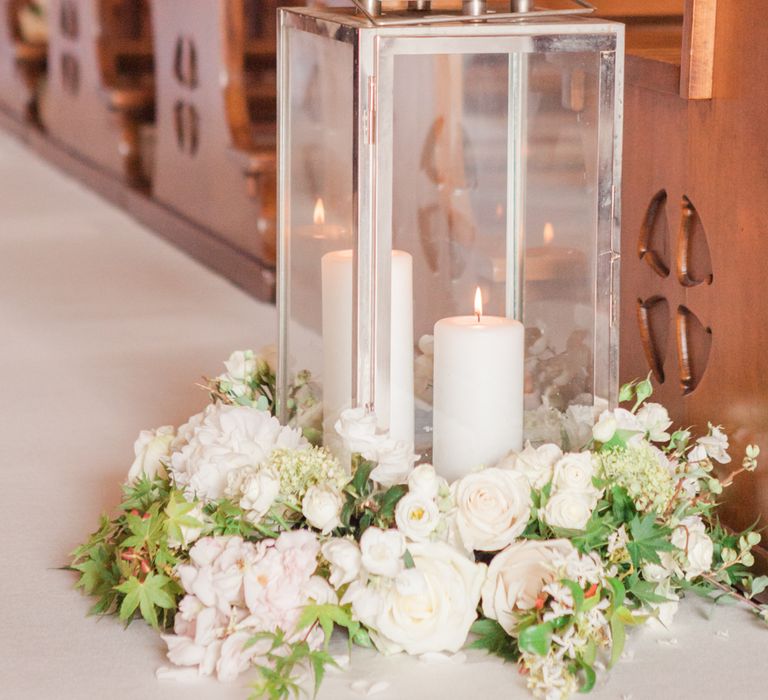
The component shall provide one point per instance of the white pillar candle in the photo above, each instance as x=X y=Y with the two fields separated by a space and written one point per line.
x=394 y=403
x=478 y=391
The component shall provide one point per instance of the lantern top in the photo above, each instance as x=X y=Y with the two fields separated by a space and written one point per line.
x=421 y=11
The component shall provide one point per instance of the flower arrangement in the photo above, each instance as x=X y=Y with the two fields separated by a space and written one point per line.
x=248 y=545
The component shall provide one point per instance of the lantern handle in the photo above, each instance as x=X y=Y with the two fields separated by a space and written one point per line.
x=476 y=9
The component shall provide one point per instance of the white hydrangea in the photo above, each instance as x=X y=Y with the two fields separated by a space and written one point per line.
x=225 y=438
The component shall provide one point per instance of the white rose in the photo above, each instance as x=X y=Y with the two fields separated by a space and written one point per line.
x=382 y=551
x=152 y=448
x=344 y=558
x=493 y=507
x=417 y=516
x=569 y=510
x=321 y=507
x=394 y=462
x=357 y=428
x=691 y=537
x=240 y=366
x=574 y=472
x=517 y=575
x=535 y=463
x=258 y=490
x=424 y=480
x=654 y=420
x=431 y=607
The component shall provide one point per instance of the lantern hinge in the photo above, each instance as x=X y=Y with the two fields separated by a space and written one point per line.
x=370 y=112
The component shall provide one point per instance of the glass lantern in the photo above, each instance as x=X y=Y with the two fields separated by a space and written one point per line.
x=431 y=160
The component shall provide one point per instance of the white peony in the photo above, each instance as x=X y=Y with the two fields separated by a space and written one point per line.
x=431 y=607
x=321 y=507
x=344 y=558
x=493 y=507
x=224 y=439
x=424 y=480
x=535 y=463
x=382 y=552
x=655 y=420
x=151 y=449
x=517 y=576
x=569 y=510
x=394 y=462
x=692 y=538
x=417 y=516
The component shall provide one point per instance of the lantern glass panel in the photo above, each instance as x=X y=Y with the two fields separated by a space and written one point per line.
x=316 y=211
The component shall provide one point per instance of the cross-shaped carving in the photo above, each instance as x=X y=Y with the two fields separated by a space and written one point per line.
x=676 y=279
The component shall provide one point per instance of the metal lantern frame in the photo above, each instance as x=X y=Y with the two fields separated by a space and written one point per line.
x=375 y=43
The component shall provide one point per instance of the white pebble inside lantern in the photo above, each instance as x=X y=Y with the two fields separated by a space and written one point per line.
x=455 y=157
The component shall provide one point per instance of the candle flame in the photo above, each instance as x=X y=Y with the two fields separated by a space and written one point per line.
x=549 y=233
x=478 y=304
x=318 y=216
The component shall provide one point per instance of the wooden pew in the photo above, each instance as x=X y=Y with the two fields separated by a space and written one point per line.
x=22 y=64
x=215 y=119
x=100 y=98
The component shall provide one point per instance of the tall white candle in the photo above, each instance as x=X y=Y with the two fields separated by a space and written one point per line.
x=478 y=391
x=394 y=403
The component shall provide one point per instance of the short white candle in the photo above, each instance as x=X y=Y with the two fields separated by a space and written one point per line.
x=478 y=391
x=394 y=404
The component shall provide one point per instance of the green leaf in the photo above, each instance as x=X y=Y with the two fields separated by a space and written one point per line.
x=408 y=560
x=577 y=593
x=359 y=483
x=177 y=516
x=622 y=506
x=643 y=391
x=618 y=593
x=536 y=639
x=589 y=677
x=493 y=638
x=758 y=585
x=627 y=392
x=618 y=637
x=145 y=595
x=648 y=539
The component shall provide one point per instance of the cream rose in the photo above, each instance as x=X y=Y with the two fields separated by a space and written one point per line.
x=517 y=575
x=574 y=472
x=493 y=507
x=357 y=428
x=535 y=463
x=394 y=462
x=569 y=510
x=382 y=551
x=417 y=516
x=151 y=449
x=431 y=607
x=321 y=507
x=344 y=558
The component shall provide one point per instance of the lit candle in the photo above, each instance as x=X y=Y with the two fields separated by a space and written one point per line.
x=550 y=262
x=478 y=391
x=319 y=229
x=394 y=402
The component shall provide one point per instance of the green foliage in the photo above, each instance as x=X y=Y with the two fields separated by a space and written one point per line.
x=647 y=540
x=127 y=564
x=366 y=505
x=493 y=638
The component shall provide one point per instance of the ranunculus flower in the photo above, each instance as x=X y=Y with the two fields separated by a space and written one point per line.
x=570 y=510
x=493 y=507
x=227 y=438
x=382 y=551
x=517 y=575
x=431 y=607
x=417 y=516
x=151 y=449
x=574 y=472
x=655 y=420
x=345 y=559
x=394 y=462
x=535 y=463
x=321 y=507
